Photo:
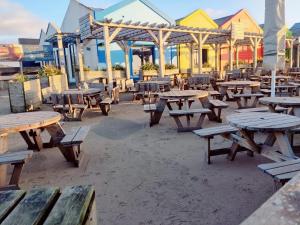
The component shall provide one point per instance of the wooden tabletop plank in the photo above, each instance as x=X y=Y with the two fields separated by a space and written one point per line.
x=264 y=121
x=72 y=206
x=283 y=101
x=33 y=207
x=8 y=200
x=12 y=123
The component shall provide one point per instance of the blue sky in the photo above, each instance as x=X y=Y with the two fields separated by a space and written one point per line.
x=31 y=15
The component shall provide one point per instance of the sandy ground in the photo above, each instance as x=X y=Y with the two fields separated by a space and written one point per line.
x=154 y=176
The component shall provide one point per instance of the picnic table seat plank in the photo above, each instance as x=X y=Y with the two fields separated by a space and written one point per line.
x=209 y=133
x=176 y=114
x=70 y=145
x=216 y=106
x=32 y=208
x=8 y=200
x=246 y=98
x=105 y=106
x=72 y=206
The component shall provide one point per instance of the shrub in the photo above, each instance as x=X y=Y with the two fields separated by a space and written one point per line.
x=118 y=67
x=150 y=66
x=170 y=67
x=21 y=78
x=49 y=70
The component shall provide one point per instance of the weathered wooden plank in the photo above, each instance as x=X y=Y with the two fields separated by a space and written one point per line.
x=207 y=132
x=33 y=207
x=81 y=134
x=16 y=157
x=189 y=112
x=72 y=206
x=269 y=166
x=8 y=200
x=284 y=169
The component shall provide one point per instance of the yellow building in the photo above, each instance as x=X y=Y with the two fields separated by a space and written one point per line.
x=197 y=19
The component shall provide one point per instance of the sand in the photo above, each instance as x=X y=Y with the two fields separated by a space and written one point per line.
x=154 y=176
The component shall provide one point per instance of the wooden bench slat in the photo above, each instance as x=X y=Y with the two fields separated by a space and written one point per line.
x=11 y=158
x=8 y=200
x=218 y=103
x=268 y=166
x=286 y=177
x=107 y=101
x=284 y=169
x=213 y=131
x=189 y=112
x=69 y=136
x=72 y=206
x=81 y=135
x=150 y=108
x=248 y=95
x=33 y=207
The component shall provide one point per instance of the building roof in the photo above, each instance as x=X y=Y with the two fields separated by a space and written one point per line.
x=295 y=29
x=222 y=20
x=28 y=41
x=123 y=3
x=197 y=13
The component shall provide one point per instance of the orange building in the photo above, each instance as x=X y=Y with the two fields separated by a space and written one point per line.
x=245 y=53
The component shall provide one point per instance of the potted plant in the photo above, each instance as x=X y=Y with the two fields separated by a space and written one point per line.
x=171 y=70
x=56 y=81
x=24 y=94
x=149 y=70
x=118 y=71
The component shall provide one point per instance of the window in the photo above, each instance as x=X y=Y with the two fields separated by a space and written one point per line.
x=204 y=56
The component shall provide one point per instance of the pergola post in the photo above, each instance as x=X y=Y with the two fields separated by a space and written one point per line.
x=161 y=46
x=126 y=48
x=61 y=55
x=216 y=57
x=255 y=47
x=237 y=56
x=107 y=54
x=192 y=58
x=80 y=60
x=231 y=44
x=291 y=53
x=200 y=56
x=298 y=58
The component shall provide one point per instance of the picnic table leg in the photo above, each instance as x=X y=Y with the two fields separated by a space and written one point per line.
x=211 y=116
x=296 y=111
x=158 y=112
x=272 y=108
x=284 y=144
x=30 y=144
x=3 y=168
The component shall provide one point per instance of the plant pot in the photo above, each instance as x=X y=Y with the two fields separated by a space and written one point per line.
x=25 y=96
x=44 y=82
x=118 y=74
x=148 y=74
x=172 y=72
x=91 y=75
x=58 y=83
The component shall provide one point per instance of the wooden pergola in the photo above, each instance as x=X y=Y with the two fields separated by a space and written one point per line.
x=163 y=35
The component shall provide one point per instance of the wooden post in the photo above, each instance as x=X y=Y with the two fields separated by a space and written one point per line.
x=80 y=60
x=255 y=47
x=237 y=56
x=61 y=55
x=200 y=56
x=216 y=57
x=107 y=54
x=161 y=46
x=3 y=168
x=127 y=63
x=231 y=42
x=291 y=53
x=192 y=58
x=298 y=58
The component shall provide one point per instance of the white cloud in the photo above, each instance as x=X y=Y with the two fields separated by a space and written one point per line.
x=216 y=13
x=16 y=21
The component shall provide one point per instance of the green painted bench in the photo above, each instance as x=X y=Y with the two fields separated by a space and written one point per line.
x=49 y=206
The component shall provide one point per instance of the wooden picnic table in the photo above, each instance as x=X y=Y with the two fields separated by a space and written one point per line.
x=274 y=124
x=293 y=103
x=48 y=206
x=88 y=94
x=224 y=86
x=30 y=125
x=178 y=95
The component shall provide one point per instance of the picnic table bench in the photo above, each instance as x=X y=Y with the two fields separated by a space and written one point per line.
x=49 y=206
x=242 y=100
x=176 y=114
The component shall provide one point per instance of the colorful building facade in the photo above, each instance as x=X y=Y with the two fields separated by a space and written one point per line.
x=196 y=19
x=245 y=52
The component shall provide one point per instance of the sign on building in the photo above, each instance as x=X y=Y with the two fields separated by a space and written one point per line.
x=11 y=52
x=237 y=31
x=85 y=23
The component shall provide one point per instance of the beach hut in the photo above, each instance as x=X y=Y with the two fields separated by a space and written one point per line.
x=242 y=53
x=188 y=56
